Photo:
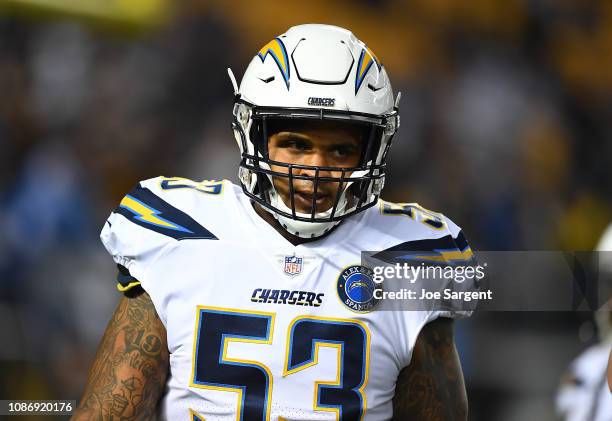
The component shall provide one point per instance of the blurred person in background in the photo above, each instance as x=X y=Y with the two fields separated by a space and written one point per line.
x=610 y=371
x=584 y=394
x=232 y=293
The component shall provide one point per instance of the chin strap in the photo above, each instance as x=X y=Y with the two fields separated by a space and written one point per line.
x=305 y=229
x=300 y=229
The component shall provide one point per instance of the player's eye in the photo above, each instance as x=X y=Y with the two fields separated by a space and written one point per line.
x=344 y=150
x=296 y=144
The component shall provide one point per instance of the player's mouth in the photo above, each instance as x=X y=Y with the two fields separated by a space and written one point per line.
x=303 y=202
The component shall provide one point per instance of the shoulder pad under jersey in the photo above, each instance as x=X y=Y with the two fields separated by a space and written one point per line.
x=147 y=220
x=410 y=234
x=410 y=228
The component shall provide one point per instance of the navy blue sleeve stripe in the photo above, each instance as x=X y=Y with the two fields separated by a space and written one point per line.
x=461 y=241
x=446 y=242
x=142 y=207
x=443 y=250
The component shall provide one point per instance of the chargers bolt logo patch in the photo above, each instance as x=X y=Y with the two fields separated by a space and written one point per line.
x=356 y=288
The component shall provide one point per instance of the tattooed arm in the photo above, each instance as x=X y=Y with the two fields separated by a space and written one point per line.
x=431 y=388
x=129 y=373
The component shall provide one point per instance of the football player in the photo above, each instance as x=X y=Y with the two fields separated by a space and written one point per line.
x=584 y=394
x=250 y=302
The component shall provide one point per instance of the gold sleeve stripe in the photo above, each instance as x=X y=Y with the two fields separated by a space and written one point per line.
x=128 y=286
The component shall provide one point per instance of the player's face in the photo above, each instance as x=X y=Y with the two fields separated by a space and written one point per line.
x=324 y=145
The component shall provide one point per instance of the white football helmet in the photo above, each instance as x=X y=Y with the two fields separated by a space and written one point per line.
x=314 y=72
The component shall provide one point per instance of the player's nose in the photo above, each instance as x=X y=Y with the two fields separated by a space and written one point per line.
x=316 y=159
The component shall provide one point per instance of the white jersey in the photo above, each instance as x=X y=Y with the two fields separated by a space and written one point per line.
x=584 y=395
x=260 y=329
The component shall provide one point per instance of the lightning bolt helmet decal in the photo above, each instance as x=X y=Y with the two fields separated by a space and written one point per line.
x=277 y=50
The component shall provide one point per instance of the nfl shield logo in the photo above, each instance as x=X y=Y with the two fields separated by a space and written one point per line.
x=293 y=265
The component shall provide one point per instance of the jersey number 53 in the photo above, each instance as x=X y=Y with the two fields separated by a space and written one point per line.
x=216 y=328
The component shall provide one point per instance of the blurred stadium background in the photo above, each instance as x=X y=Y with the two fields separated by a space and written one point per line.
x=506 y=126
